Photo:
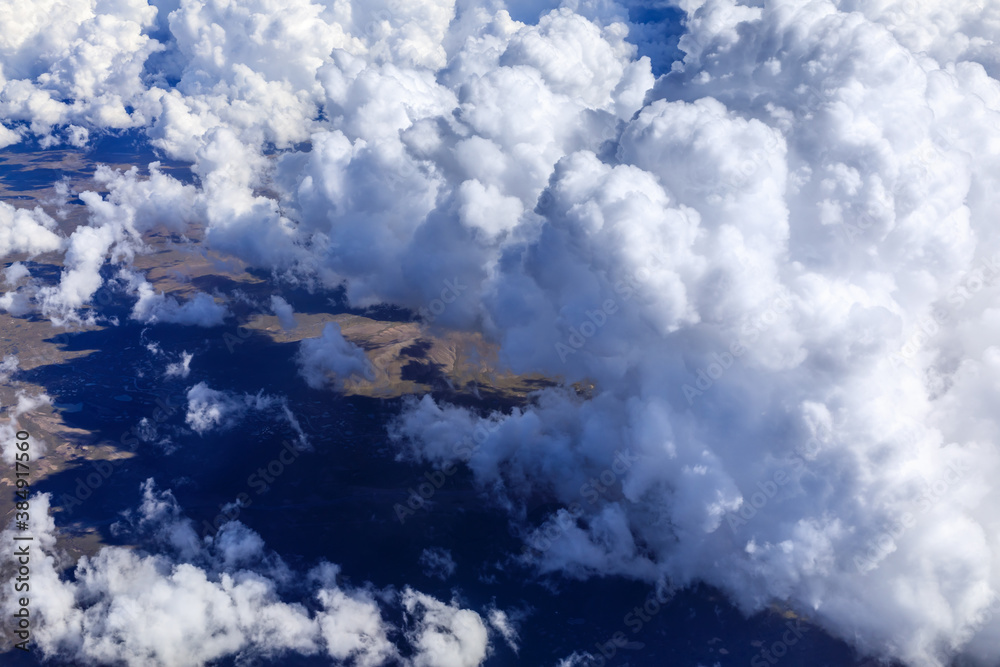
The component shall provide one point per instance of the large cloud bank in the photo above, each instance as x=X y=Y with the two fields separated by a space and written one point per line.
x=775 y=262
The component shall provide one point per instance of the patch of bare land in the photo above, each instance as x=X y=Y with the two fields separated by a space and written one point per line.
x=408 y=358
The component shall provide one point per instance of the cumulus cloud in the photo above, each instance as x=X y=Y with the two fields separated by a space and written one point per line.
x=331 y=359
x=211 y=409
x=8 y=367
x=194 y=601
x=284 y=312
x=74 y=64
x=116 y=223
x=180 y=368
x=15 y=273
x=208 y=409
x=739 y=256
x=16 y=303
x=31 y=232
x=445 y=634
x=155 y=307
x=774 y=263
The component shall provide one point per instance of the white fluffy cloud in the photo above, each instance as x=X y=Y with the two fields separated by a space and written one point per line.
x=775 y=263
x=445 y=635
x=209 y=409
x=8 y=366
x=153 y=307
x=25 y=404
x=331 y=358
x=15 y=272
x=74 y=64
x=195 y=601
x=181 y=368
x=283 y=310
x=114 y=232
x=26 y=231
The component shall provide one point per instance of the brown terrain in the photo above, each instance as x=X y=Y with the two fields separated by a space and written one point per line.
x=407 y=357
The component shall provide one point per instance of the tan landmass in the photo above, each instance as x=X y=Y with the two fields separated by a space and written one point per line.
x=407 y=357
